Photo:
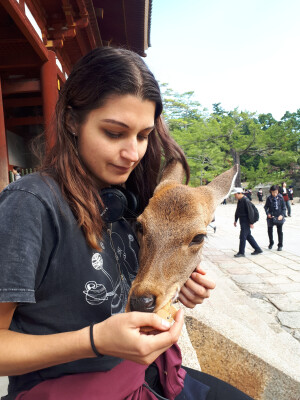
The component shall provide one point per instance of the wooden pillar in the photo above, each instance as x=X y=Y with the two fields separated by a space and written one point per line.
x=3 y=147
x=50 y=95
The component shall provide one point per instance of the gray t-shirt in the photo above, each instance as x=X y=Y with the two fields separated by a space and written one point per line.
x=58 y=281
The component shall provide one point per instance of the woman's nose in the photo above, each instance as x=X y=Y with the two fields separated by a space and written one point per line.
x=130 y=151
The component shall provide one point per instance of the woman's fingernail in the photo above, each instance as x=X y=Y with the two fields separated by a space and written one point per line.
x=165 y=323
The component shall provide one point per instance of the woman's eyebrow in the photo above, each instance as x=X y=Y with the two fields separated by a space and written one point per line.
x=113 y=121
x=150 y=128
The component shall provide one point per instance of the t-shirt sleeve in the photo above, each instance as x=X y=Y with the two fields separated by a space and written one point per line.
x=22 y=216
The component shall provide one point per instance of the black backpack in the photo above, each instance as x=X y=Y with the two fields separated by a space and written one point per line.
x=255 y=213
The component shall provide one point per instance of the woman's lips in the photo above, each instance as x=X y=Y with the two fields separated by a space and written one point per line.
x=122 y=169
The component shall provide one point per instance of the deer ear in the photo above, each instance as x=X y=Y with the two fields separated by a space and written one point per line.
x=173 y=171
x=223 y=184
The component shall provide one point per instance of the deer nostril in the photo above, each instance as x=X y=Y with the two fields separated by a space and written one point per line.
x=143 y=303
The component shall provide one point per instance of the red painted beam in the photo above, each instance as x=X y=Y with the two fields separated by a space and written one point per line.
x=3 y=148
x=13 y=67
x=20 y=19
x=20 y=86
x=11 y=122
x=50 y=96
x=60 y=75
x=23 y=102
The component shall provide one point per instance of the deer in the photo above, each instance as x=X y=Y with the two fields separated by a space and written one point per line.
x=171 y=232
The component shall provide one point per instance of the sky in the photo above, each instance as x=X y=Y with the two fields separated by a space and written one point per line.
x=243 y=54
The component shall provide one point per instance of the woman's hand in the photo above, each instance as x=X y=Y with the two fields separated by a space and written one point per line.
x=120 y=336
x=280 y=217
x=270 y=216
x=196 y=289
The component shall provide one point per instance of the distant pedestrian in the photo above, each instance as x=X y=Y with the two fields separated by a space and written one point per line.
x=276 y=211
x=248 y=194
x=291 y=194
x=213 y=225
x=17 y=173
x=284 y=192
x=224 y=202
x=244 y=212
x=260 y=195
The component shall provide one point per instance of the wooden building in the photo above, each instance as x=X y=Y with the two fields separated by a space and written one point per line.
x=40 y=40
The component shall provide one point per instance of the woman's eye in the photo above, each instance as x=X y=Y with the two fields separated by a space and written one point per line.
x=198 y=239
x=112 y=135
x=143 y=137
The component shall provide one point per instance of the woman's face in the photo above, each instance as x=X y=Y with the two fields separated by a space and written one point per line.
x=113 y=139
x=274 y=193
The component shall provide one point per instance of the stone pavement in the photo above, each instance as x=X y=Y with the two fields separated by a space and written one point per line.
x=271 y=279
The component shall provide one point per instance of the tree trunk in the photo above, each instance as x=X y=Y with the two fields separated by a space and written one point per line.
x=236 y=160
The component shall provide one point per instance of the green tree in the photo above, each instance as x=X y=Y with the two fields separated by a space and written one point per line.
x=195 y=133
x=238 y=133
x=267 y=150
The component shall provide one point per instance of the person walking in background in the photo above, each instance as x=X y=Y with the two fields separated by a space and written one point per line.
x=17 y=173
x=248 y=194
x=291 y=194
x=285 y=194
x=276 y=211
x=213 y=225
x=260 y=195
x=244 y=212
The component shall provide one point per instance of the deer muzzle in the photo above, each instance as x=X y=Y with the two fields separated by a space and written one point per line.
x=144 y=303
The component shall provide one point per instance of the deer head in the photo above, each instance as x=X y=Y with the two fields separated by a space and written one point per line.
x=172 y=230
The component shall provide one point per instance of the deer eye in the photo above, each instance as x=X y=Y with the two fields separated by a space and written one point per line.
x=139 y=227
x=198 y=239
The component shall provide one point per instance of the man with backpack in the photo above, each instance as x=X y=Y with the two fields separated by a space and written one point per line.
x=248 y=214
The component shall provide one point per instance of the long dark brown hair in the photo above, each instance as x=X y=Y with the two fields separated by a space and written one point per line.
x=101 y=73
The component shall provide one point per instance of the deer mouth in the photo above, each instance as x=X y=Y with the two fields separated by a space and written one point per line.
x=175 y=297
x=169 y=300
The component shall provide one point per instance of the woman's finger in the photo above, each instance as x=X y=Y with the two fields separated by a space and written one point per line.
x=184 y=299
x=194 y=293
x=121 y=336
x=203 y=280
x=200 y=270
x=159 y=342
x=140 y=320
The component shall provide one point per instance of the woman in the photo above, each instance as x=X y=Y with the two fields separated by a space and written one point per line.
x=65 y=284
x=291 y=194
x=285 y=194
x=276 y=211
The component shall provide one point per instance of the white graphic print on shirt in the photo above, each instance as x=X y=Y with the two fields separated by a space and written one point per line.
x=116 y=290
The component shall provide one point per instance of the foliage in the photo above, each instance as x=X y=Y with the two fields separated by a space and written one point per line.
x=267 y=150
